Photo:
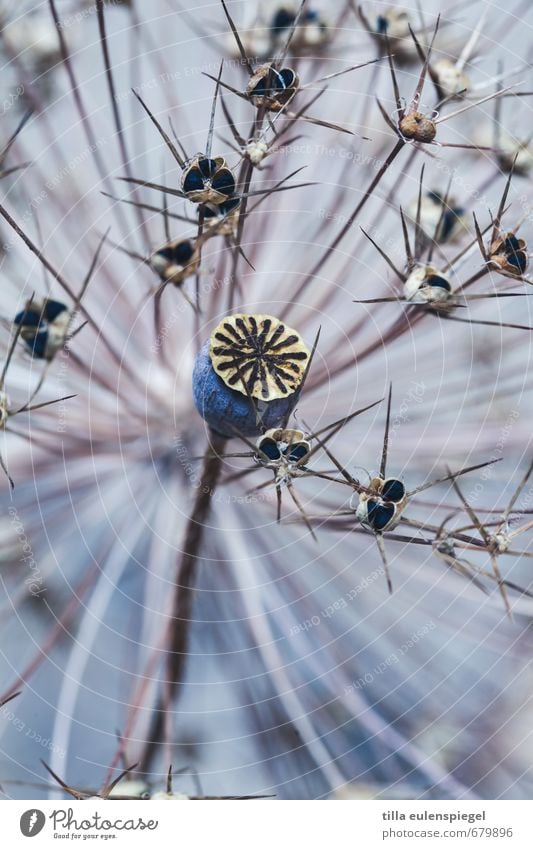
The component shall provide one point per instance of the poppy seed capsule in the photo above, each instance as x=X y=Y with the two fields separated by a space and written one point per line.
x=248 y=375
x=418 y=127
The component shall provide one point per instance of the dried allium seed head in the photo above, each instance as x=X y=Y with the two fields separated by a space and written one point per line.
x=129 y=447
x=418 y=127
x=389 y=489
x=261 y=351
x=282 y=448
x=377 y=515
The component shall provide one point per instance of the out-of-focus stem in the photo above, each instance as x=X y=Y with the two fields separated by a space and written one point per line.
x=184 y=593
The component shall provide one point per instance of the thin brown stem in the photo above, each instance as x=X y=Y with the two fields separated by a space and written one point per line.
x=181 y=616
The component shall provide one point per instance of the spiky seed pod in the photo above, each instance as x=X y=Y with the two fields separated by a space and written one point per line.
x=509 y=253
x=282 y=447
x=427 y=283
x=207 y=180
x=271 y=88
x=381 y=506
x=44 y=325
x=418 y=127
x=176 y=260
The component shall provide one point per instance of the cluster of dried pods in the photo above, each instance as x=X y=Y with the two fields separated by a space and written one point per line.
x=257 y=357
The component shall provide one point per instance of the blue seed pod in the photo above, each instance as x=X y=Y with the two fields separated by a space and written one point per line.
x=247 y=376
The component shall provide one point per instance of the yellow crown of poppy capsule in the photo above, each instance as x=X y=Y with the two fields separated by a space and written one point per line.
x=258 y=356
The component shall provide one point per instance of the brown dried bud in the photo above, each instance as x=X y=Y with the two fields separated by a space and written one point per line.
x=418 y=127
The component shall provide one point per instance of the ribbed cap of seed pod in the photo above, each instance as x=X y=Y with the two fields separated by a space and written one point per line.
x=248 y=375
